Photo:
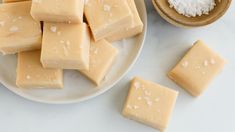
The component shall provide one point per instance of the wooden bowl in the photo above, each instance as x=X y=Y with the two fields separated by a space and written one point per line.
x=170 y=14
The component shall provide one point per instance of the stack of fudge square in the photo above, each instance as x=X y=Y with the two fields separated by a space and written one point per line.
x=51 y=35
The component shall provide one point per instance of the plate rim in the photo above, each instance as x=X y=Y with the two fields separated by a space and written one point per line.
x=101 y=91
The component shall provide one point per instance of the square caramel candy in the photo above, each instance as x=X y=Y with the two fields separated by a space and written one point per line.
x=8 y=1
x=150 y=103
x=18 y=30
x=65 y=46
x=197 y=68
x=69 y=11
x=107 y=16
x=102 y=56
x=31 y=74
x=135 y=28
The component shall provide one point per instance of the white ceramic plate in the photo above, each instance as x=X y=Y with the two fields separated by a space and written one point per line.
x=77 y=88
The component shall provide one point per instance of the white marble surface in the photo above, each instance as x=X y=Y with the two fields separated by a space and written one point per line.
x=214 y=111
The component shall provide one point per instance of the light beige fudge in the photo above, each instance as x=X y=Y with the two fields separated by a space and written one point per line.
x=107 y=16
x=8 y=1
x=102 y=56
x=31 y=74
x=135 y=28
x=69 y=11
x=65 y=46
x=150 y=103
x=197 y=69
x=18 y=30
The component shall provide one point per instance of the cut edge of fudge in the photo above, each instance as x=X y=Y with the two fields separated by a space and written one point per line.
x=103 y=35
x=109 y=66
x=101 y=32
x=135 y=29
x=18 y=47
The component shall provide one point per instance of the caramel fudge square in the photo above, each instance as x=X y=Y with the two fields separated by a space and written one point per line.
x=150 y=103
x=107 y=16
x=65 y=46
x=197 y=68
x=18 y=30
x=31 y=74
x=135 y=28
x=70 y=11
x=102 y=56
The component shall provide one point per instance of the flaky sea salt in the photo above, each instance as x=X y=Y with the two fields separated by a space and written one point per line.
x=107 y=7
x=137 y=85
x=212 y=61
x=185 y=64
x=205 y=63
x=28 y=77
x=139 y=98
x=53 y=29
x=14 y=29
x=192 y=8
x=135 y=107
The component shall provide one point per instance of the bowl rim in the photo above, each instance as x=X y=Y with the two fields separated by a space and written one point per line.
x=180 y=23
x=166 y=17
x=103 y=90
